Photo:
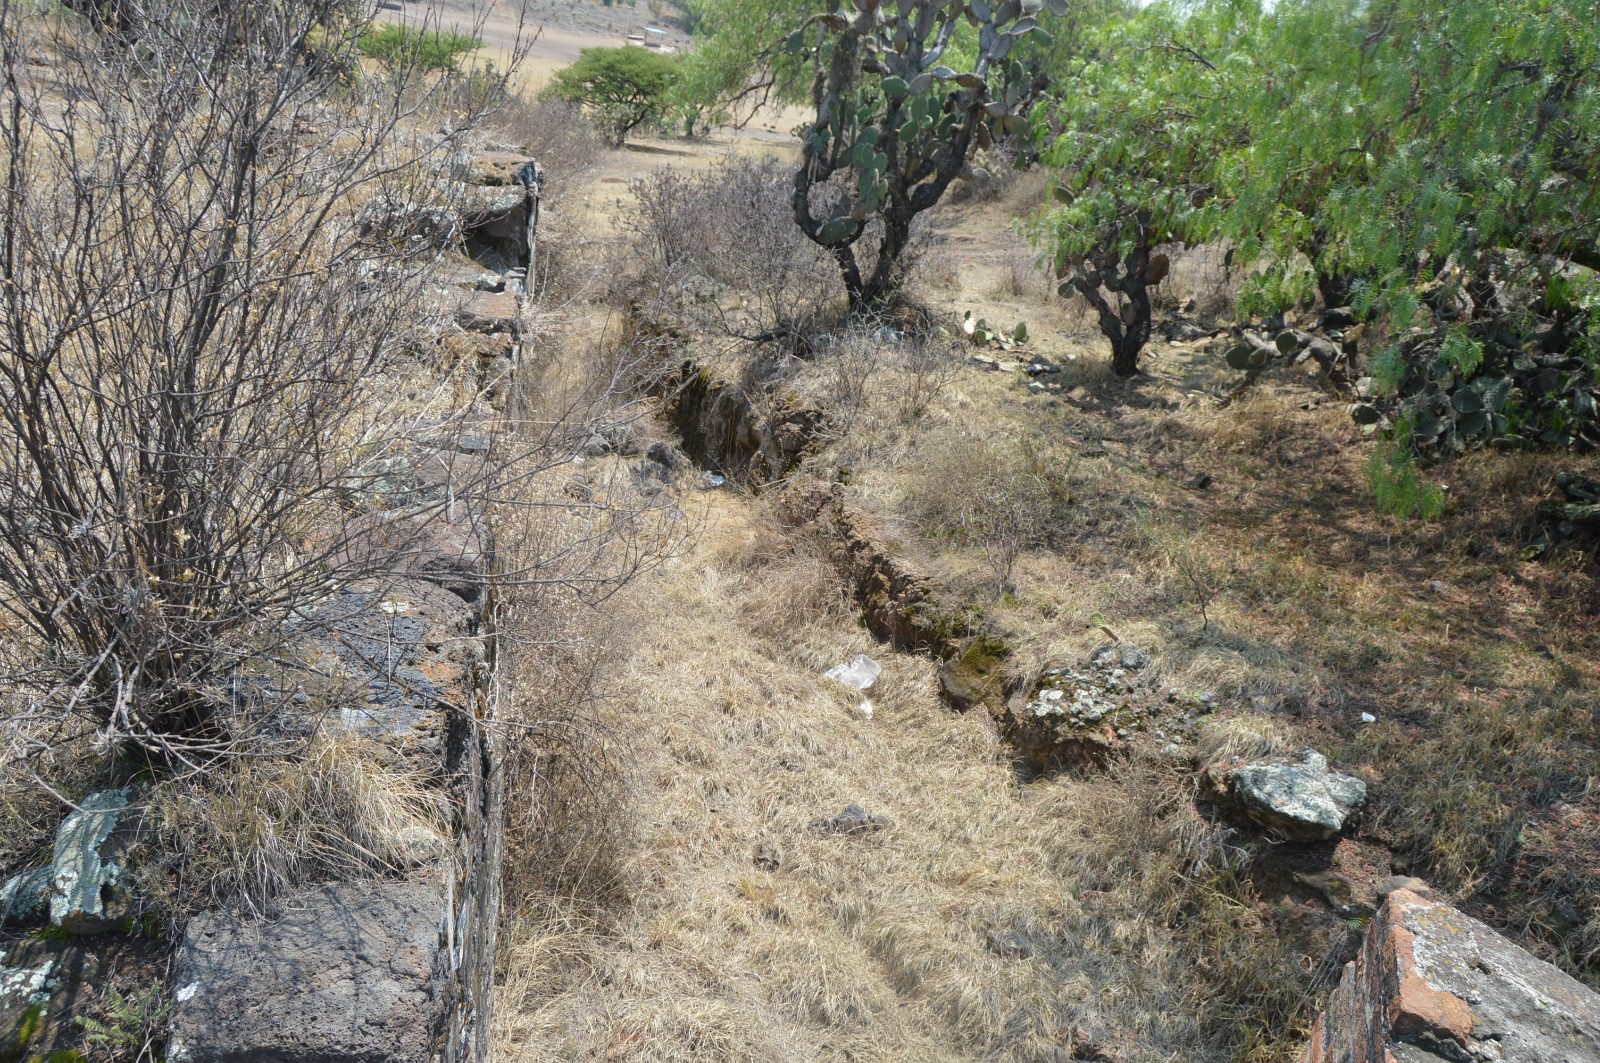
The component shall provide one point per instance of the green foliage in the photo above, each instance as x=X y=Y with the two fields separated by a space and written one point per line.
x=1410 y=132
x=1432 y=166
x=1397 y=485
x=1461 y=353
x=734 y=65
x=1135 y=133
x=126 y=1021
x=403 y=46
x=623 y=88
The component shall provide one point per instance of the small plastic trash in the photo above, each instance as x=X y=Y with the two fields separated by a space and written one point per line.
x=860 y=673
x=715 y=479
x=865 y=708
x=1367 y=717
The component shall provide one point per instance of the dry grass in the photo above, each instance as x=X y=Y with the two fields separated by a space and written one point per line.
x=991 y=921
x=1280 y=591
x=252 y=829
x=1147 y=930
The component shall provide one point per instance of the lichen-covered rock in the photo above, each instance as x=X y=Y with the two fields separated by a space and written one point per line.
x=48 y=981
x=352 y=972
x=853 y=820
x=1303 y=799
x=1432 y=985
x=497 y=168
x=500 y=209
x=490 y=312
x=1071 y=719
x=25 y=898
x=87 y=868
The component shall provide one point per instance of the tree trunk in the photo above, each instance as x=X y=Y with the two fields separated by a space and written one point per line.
x=885 y=280
x=845 y=255
x=1334 y=289
x=1136 y=322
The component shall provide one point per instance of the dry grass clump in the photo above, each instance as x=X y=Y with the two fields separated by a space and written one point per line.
x=869 y=379
x=996 y=497
x=1021 y=278
x=250 y=830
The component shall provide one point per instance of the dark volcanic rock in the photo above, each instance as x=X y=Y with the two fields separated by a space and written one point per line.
x=352 y=972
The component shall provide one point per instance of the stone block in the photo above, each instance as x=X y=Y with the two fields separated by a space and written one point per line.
x=353 y=972
x=1432 y=985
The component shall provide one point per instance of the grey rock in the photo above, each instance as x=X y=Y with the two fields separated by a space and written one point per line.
x=352 y=972
x=767 y=856
x=853 y=820
x=25 y=898
x=666 y=455
x=1303 y=799
x=1131 y=658
x=86 y=871
x=1391 y=883
x=1338 y=317
x=1012 y=944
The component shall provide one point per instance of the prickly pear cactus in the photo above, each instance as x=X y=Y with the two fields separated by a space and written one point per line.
x=897 y=118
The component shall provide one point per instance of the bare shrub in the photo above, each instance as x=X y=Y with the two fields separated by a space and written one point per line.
x=928 y=365
x=669 y=220
x=731 y=226
x=993 y=171
x=572 y=537
x=193 y=315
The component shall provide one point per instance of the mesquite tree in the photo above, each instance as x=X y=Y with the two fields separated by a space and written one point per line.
x=1138 y=137
x=895 y=123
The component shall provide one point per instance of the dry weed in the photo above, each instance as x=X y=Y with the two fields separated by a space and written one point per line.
x=251 y=830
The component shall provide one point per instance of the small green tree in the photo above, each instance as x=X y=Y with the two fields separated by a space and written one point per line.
x=902 y=96
x=1437 y=164
x=428 y=50
x=1136 y=137
x=623 y=88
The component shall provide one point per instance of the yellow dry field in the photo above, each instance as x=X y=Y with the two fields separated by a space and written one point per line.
x=745 y=933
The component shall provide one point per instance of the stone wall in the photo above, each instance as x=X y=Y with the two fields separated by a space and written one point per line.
x=401 y=969
x=1432 y=985
x=394 y=969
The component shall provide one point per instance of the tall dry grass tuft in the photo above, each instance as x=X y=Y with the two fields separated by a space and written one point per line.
x=248 y=832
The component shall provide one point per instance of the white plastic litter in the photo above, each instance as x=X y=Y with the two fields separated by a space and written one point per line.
x=715 y=479
x=865 y=708
x=860 y=673
x=1367 y=717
